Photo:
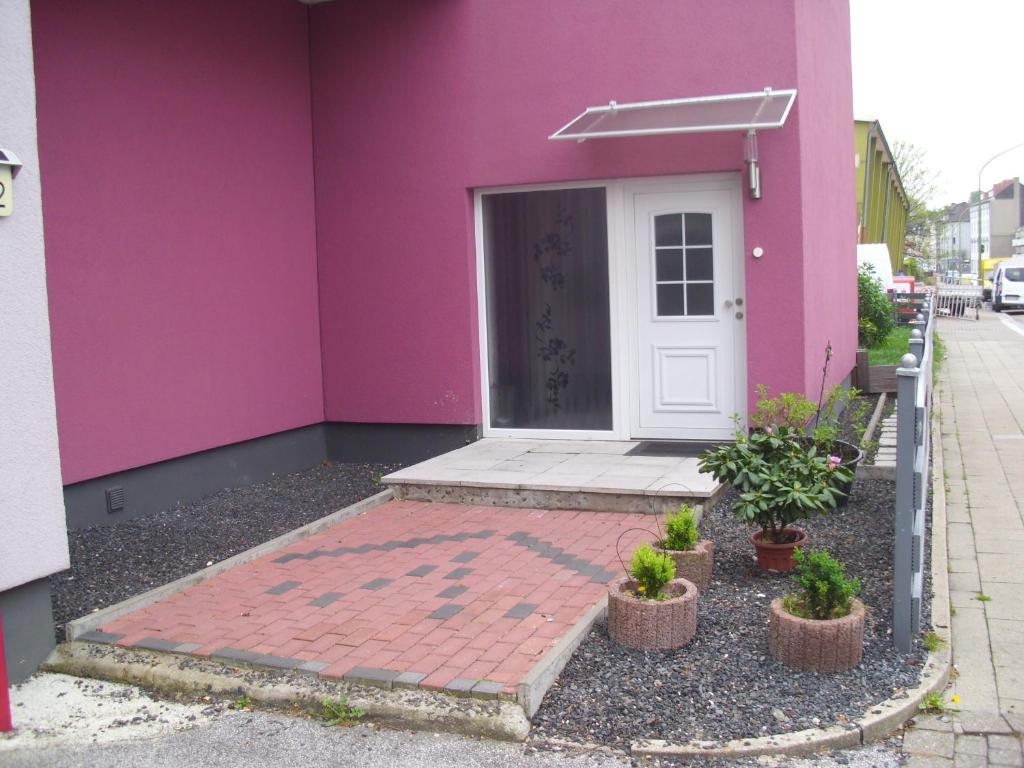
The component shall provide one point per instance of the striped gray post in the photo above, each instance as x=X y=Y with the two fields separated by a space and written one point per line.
x=904 y=593
x=917 y=346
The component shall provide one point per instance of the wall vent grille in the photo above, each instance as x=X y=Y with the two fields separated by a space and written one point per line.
x=115 y=500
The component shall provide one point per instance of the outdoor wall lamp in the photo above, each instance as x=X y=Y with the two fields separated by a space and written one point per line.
x=753 y=171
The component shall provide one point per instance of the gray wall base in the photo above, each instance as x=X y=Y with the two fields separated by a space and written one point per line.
x=395 y=443
x=160 y=486
x=28 y=628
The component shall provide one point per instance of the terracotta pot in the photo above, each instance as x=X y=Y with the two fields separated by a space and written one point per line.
x=777 y=557
x=829 y=645
x=694 y=565
x=652 y=625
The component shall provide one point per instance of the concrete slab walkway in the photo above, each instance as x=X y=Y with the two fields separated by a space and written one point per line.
x=558 y=474
x=982 y=433
x=443 y=597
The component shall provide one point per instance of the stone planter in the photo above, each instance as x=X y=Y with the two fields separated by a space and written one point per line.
x=777 y=557
x=694 y=565
x=652 y=625
x=831 y=645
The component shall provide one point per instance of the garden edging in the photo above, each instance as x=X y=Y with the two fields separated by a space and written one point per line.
x=882 y=719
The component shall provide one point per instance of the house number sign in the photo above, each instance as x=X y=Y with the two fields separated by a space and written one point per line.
x=6 y=191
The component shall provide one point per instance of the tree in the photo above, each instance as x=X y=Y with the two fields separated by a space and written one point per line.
x=920 y=182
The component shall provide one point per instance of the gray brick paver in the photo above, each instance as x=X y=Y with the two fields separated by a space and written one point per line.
x=1005 y=758
x=972 y=745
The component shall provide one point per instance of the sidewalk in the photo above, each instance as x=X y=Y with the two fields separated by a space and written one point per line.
x=982 y=404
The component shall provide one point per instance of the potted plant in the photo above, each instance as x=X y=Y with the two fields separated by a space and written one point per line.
x=826 y=431
x=692 y=555
x=649 y=608
x=821 y=628
x=780 y=480
x=794 y=411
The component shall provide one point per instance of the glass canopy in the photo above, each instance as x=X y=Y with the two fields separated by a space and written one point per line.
x=733 y=112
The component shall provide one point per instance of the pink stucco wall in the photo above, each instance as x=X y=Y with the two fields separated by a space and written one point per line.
x=829 y=189
x=417 y=103
x=204 y=290
x=176 y=160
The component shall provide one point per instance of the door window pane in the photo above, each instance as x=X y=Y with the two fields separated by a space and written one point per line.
x=700 y=299
x=699 y=264
x=668 y=230
x=548 y=324
x=698 y=229
x=671 y=300
x=669 y=264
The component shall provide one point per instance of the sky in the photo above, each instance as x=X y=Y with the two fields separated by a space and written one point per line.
x=947 y=77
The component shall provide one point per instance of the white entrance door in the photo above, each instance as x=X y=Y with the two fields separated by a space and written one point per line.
x=689 y=356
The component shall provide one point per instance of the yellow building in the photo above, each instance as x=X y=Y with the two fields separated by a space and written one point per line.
x=882 y=203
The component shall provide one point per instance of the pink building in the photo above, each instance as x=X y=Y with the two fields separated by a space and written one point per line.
x=278 y=232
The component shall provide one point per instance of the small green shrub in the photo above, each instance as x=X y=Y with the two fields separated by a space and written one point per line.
x=652 y=571
x=788 y=409
x=339 y=711
x=875 y=315
x=933 y=642
x=826 y=592
x=981 y=597
x=681 y=530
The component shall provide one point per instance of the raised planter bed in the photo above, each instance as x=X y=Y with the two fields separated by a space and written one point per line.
x=834 y=645
x=873 y=379
x=695 y=565
x=650 y=625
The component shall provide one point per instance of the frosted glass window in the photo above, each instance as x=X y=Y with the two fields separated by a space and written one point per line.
x=548 y=323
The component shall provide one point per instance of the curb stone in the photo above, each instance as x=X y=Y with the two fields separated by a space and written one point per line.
x=497 y=719
x=531 y=689
x=884 y=718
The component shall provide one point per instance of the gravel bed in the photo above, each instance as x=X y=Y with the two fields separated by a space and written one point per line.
x=724 y=685
x=112 y=563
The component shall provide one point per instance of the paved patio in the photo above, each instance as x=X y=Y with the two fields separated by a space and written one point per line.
x=575 y=474
x=438 y=596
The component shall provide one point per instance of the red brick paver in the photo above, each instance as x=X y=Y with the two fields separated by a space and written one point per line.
x=442 y=592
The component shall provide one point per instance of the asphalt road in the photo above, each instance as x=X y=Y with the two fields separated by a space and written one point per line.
x=260 y=740
x=68 y=722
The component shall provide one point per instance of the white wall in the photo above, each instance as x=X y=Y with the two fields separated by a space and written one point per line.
x=33 y=537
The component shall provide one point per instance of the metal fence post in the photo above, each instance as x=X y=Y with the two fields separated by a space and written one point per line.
x=903 y=558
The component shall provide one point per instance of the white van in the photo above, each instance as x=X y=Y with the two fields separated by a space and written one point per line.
x=877 y=256
x=1008 y=285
